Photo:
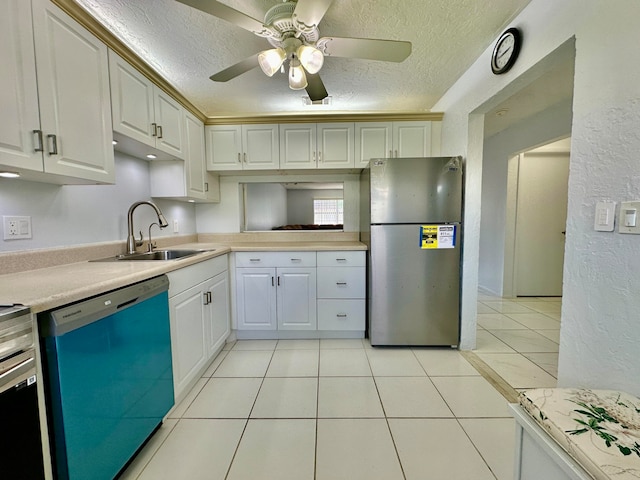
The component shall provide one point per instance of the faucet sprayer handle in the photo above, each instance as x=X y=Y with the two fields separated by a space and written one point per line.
x=141 y=241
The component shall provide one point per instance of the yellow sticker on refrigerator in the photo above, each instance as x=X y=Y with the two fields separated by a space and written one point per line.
x=437 y=236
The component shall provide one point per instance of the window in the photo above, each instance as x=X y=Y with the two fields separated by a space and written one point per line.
x=328 y=211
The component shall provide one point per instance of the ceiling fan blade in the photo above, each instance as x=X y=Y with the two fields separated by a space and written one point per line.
x=369 y=48
x=315 y=88
x=308 y=13
x=234 y=70
x=224 y=12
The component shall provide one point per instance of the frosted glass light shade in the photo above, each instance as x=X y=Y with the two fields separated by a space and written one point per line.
x=311 y=58
x=297 y=77
x=271 y=60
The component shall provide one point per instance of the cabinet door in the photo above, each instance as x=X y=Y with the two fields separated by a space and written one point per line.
x=412 y=139
x=195 y=161
x=169 y=116
x=131 y=101
x=261 y=149
x=74 y=95
x=218 y=321
x=296 y=298
x=335 y=145
x=18 y=88
x=188 y=345
x=373 y=140
x=298 y=146
x=224 y=147
x=256 y=298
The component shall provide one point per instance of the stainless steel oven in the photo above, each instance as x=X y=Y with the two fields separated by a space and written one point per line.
x=20 y=439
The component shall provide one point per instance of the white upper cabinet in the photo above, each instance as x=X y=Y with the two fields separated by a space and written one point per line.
x=56 y=104
x=142 y=112
x=396 y=139
x=242 y=147
x=311 y=146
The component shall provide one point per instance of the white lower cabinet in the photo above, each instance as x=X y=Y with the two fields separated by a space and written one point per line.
x=199 y=314
x=285 y=295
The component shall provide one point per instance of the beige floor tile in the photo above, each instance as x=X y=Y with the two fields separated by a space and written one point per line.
x=332 y=343
x=275 y=449
x=485 y=309
x=356 y=449
x=181 y=407
x=443 y=362
x=495 y=440
x=518 y=371
x=526 y=341
x=225 y=398
x=244 y=364
x=366 y=343
x=486 y=342
x=255 y=345
x=534 y=321
x=487 y=297
x=287 y=398
x=499 y=321
x=553 y=335
x=555 y=315
x=229 y=345
x=394 y=362
x=507 y=306
x=471 y=397
x=542 y=306
x=312 y=344
x=411 y=397
x=196 y=450
x=547 y=361
x=344 y=363
x=348 y=397
x=215 y=364
x=437 y=449
x=294 y=363
x=143 y=457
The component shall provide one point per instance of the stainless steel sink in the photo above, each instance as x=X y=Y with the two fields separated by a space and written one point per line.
x=155 y=255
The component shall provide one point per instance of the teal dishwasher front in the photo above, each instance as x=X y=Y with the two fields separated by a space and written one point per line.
x=107 y=362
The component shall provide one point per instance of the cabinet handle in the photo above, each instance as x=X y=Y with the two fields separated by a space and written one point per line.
x=239 y=158
x=39 y=146
x=278 y=280
x=341 y=315
x=206 y=186
x=245 y=157
x=159 y=131
x=207 y=297
x=53 y=142
x=319 y=156
x=341 y=283
x=396 y=153
x=390 y=154
x=254 y=259
x=313 y=155
x=341 y=259
x=296 y=259
x=272 y=284
x=155 y=129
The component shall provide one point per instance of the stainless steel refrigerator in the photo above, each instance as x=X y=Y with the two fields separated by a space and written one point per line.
x=411 y=220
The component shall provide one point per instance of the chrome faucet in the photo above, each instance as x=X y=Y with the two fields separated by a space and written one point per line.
x=132 y=243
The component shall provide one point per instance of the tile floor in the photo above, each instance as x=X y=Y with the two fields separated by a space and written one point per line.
x=519 y=339
x=338 y=409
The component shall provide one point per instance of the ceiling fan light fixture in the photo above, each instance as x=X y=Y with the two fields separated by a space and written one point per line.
x=311 y=58
x=271 y=60
x=297 y=77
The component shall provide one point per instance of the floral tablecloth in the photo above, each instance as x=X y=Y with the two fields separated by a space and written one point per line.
x=600 y=429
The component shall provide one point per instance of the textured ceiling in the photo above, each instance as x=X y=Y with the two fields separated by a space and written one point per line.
x=186 y=46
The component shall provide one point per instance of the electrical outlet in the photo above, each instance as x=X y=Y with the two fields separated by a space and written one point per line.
x=175 y=226
x=16 y=228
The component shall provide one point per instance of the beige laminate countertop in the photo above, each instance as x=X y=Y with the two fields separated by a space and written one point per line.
x=47 y=288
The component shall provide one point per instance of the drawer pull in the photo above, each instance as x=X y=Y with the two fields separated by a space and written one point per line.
x=341 y=283
x=341 y=259
x=296 y=259
x=341 y=315
x=254 y=259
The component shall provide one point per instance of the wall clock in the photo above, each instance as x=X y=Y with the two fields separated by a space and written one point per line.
x=506 y=51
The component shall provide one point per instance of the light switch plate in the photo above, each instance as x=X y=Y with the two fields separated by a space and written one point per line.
x=605 y=215
x=626 y=207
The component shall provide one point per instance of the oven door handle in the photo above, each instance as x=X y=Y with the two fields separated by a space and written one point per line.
x=19 y=373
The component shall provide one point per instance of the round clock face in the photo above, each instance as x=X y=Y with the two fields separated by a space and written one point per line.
x=506 y=51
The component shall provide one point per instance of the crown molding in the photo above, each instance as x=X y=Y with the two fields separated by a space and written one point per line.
x=326 y=117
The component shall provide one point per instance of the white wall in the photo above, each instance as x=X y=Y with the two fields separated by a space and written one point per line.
x=300 y=204
x=80 y=214
x=224 y=217
x=544 y=127
x=600 y=332
x=266 y=206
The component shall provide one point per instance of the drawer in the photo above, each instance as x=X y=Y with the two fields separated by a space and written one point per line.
x=341 y=315
x=275 y=259
x=342 y=259
x=185 y=278
x=345 y=282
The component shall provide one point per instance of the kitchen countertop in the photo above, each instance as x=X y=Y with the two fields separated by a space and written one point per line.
x=47 y=288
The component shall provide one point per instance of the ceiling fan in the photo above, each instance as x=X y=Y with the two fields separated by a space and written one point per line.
x=291 y=27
